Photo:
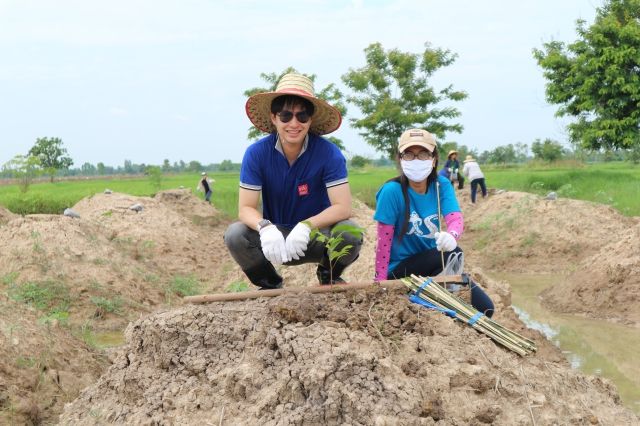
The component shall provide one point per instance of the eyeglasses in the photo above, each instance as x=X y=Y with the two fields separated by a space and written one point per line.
x=287 y=116
x=422 y=155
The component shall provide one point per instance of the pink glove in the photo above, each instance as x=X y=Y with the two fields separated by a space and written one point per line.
x=273 y=245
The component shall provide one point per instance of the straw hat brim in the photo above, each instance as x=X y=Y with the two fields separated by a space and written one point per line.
x=469 y=159
x=325 y=119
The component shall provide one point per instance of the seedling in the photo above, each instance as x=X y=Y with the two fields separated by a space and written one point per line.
x=333 y=241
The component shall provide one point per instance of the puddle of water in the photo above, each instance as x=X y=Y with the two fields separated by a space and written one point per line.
x=109 y=339
x=595 y=347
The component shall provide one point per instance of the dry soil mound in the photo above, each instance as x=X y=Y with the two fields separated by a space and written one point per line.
x=605 y=285
x=362 y=358
x=41 y=367
x=172 y=234
x=519 y=232
x=5 y=215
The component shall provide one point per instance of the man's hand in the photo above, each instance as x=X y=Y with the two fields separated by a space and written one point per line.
x=445 y=241
x=273 y=245
x=298 y=240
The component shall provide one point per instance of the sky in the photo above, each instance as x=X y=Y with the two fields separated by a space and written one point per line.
x=148 y=80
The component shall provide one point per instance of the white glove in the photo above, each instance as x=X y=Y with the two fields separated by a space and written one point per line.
x=450 y=169
x=273 y=246
x=445 y=241
x=298 y=240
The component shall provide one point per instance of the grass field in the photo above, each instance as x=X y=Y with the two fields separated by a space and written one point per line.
x=615 y=184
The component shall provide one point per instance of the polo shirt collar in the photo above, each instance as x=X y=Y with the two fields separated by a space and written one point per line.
x=305 y=144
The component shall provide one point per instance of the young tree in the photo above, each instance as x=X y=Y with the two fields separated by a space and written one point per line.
x=24 y=168
x=596 y=79
x=393 y=93
x=51 y=154
x=330 y=93
x=549 y=150
x=155 y=176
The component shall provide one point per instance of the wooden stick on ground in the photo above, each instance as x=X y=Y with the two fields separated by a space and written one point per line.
x=243 y=295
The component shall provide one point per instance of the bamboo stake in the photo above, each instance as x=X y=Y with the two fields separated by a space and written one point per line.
x=244 y=295
x=441 y=298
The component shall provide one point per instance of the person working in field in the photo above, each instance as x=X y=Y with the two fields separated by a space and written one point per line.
x=451 y=169
x=205 y=186
x=472 y=170
x=408 y=210
x=303 y=181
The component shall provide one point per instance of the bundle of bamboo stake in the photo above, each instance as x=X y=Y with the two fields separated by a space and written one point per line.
x=434 y=294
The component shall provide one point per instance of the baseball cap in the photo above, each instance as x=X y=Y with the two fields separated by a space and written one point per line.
x=416 y=137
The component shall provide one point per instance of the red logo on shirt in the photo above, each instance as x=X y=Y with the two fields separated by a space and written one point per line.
x=303 y=189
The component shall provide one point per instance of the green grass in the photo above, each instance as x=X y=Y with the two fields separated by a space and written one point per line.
x=104 y=304
x=184 y=285
x=54 y=197
x=51 y=297
x=615 y=184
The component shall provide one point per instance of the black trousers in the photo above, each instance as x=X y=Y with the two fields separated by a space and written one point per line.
x=429 y=263
x=474 y=188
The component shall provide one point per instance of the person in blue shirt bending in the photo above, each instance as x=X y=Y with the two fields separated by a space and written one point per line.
x=302 y=178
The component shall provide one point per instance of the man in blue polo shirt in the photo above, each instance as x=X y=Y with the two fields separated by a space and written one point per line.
x=303 y=181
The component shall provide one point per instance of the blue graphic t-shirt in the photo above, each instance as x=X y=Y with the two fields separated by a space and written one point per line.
x=423 y=217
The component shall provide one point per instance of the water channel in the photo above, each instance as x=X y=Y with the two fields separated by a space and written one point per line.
x=595 y=347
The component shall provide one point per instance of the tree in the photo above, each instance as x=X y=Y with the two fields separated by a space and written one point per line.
x=155 y=176
x=393 y=93
x=194 y=166
x=166 y=166
x=226 y=166
x=24 y=168
x=330 y=94
x=358 y=161
x=88 y=169
x=51 y=154
x=499 y=155
x=100 y=169
x=596 y=79
x=549 y=150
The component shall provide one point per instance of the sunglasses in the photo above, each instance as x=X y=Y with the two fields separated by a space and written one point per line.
x=287 y=116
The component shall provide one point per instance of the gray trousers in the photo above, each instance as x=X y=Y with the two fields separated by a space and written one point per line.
x=244 y=245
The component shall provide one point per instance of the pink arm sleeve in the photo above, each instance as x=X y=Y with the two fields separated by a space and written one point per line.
x=383 y=250
x=455 y=224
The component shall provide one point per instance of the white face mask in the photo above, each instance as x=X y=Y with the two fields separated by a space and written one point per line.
x=416 y=170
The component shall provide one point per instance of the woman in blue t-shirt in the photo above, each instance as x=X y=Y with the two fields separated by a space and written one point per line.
x=409 y=240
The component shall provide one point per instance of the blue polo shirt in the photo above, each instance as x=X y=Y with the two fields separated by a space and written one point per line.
x=293 y=193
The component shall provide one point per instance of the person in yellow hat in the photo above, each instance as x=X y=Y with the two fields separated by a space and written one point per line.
x=451 y=169
x=408 y=210
x=302 y=178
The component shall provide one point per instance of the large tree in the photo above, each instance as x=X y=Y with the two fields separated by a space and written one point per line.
x=393 y=93
x=51 y=154
x=330 y=93
x=596 y=79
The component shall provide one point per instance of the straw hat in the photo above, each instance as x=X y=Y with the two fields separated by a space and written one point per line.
x=453 y=151
x=325 y=119
x=469 y=158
